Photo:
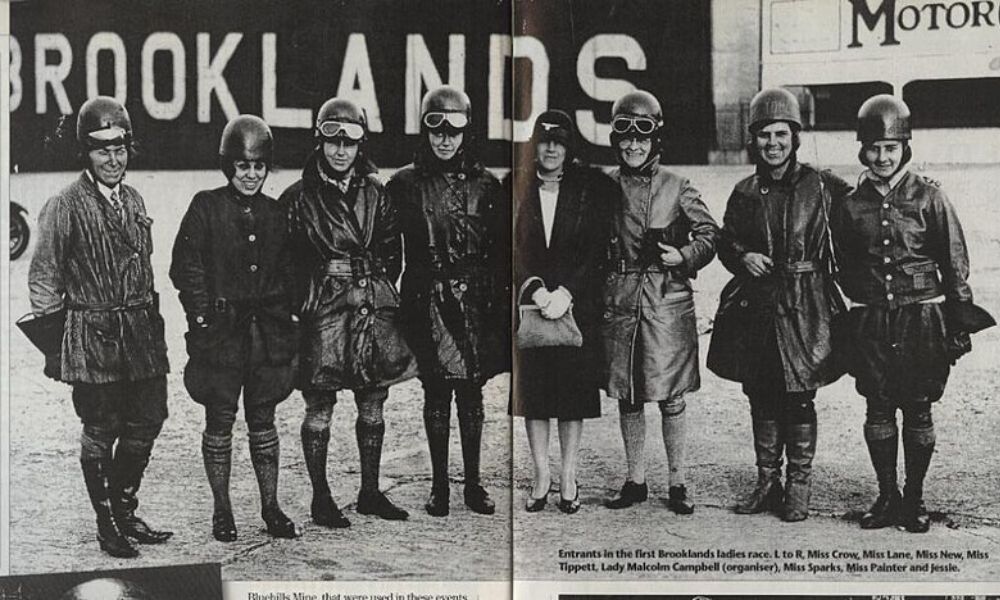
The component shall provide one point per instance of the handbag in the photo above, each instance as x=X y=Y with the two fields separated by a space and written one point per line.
x=535 y=331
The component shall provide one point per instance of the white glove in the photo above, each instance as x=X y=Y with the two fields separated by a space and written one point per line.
x=541 y=297
x=560 y=302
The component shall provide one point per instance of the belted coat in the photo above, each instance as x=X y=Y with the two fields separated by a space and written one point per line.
x=648 y=329
x=96 y=264
x=456 y=226
x=347 y=253
x=789 y=221
x=232 y=267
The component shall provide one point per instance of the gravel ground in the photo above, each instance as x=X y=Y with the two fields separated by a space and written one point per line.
x=52 y=523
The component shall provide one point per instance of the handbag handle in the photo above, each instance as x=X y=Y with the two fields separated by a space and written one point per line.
x=524 y=286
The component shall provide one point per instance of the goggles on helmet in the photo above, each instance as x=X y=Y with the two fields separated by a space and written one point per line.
x=332 y=129
x=108 y=136
x=455 y=120
x=624 y=124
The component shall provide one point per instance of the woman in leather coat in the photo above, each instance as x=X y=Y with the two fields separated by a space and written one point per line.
x=456 y=228
x=662 y=234
x=347 y=253
x=773 y=329
x=230 y=264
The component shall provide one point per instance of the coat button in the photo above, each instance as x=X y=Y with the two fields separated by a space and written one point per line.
x=886 y=259
x=251 y=238
x=253 y=318
x=246 y=209
x=253 y=268
x=763 y=190
x=744 y=304
x=889 y=296
x=463 y=286
x=199 y=319
x=461 y=176
x=362 y=282
x=364 y=311
x=885 y=242
x=888 y=277
x=885 y=223
x=885 y=205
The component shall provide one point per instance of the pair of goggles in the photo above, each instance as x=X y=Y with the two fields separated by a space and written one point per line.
x=455 y=120
x=334 y=129
x=109 y=136
x=642 y=125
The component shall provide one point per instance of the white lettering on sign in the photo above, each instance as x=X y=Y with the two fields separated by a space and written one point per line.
x=16 y=85
x=604 y=45
x=276 y=116
x=113 y=43
x=52 y=75
x=164 y=41
x=498 y=126
x=357 y=83
x=533 y=49
x=212 y=78
x=421 y=74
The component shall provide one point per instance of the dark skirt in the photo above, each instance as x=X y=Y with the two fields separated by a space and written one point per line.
x=898 y=353
x=557 y=383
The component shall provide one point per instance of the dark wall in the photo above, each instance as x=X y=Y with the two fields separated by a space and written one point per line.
x=311 y=39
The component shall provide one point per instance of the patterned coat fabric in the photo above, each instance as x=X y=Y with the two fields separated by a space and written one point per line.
x=96 y=265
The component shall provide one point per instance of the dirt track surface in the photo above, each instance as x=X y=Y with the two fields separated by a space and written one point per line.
x=52 y=523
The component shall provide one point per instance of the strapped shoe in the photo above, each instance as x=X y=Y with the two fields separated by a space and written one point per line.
x=631 y=493
x=570 y=507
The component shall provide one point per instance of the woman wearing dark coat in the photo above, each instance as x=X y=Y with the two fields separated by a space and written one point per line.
x=561 y=222
x=347 y=252
x=662 y=235
x=231 y=265
x=456 y=288
x=773 y=328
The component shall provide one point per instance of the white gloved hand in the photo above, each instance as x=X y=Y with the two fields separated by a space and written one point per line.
x=560 y=302
x=541 y=297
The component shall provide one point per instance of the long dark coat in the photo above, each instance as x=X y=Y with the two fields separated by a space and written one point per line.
x=233 y=268
x=98 y=268
x=563 y=382
x=350 y=313
x=786 y=220
x=649 y=333
x=456 y=226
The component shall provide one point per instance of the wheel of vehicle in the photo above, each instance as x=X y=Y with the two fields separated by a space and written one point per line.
x=19 y=233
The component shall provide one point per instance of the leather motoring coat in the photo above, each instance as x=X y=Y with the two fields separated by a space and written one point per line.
x=232 y=267
x=898 y=255
x=786 y=220
x=904 y=248
x=456 y=225
x=347 y=254
x=649 y=333
x=98 y=268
